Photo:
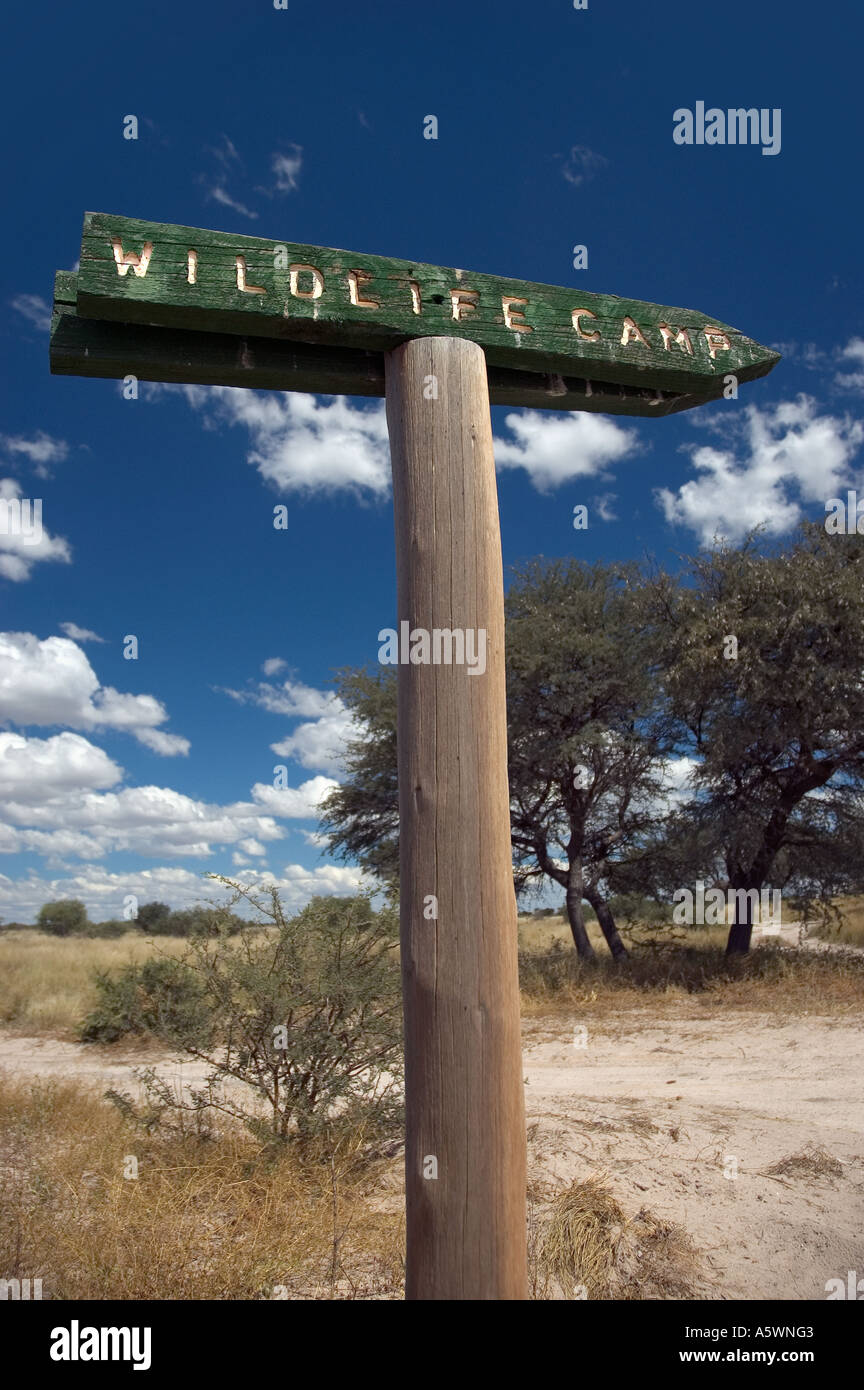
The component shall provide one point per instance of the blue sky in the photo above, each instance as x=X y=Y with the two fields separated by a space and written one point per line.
x=555 y=129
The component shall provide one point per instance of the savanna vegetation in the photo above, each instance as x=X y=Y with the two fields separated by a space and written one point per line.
x=663 y=731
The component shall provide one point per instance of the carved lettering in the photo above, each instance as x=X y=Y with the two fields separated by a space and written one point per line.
x=355 y=278
x=126 y=259
x=462 y=301
x=240 y=262
x=294 y=273
x=515 y=318
x=632 y=330
x=584 y=314
x=675 y=335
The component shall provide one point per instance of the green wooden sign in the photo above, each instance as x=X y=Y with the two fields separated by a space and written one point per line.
x=96 y=348
x=184 y=278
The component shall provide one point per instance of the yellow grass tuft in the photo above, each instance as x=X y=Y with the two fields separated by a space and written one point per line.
x=583 y=1246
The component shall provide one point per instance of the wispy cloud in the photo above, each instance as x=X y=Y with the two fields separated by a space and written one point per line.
x=286 y=168
x=216 y=194
x=41 y=449
x=34 y=309
x=854 y=354
x=80 y=634
x=581 y=164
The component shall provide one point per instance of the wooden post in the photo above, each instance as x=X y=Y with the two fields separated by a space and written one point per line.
x=465 y=1135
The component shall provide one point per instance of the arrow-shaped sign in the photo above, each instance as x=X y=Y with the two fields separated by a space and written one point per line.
x=190 y=279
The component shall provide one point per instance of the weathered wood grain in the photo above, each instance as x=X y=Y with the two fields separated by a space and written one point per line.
x=99 y=349
x=464 y=1094
x=141 y=272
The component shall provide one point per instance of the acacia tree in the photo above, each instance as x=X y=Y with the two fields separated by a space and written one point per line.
x=763 y=658
x=583 y=738
x=361 y=816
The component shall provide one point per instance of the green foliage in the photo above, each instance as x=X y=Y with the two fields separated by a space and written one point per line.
x=304 y=1021
x=109 y=930
x=361 y=816
x=152 y=918
x=162 y=997
x=158 y=919
x=64 y=917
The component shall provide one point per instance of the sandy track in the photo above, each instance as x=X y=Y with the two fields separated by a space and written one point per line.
x=664 y=1105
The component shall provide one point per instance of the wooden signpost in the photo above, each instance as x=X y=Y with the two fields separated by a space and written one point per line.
x=169 y=303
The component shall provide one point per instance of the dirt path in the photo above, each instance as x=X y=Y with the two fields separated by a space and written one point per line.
x=666 y=1107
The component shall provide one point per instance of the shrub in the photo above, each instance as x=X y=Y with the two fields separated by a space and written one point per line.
x=153 y=918
x=108 y=930
x=306 y=1017
x=63 y=917
x=162 y=997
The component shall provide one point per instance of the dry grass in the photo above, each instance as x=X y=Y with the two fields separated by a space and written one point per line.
x=849 y=931
x=47 y=982
x=223 y=1219
x=663 y=970
x=203 y=1220
x=810 y=1162
x=585 y=1247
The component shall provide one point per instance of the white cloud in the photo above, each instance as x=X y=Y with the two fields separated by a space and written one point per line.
x=853 y=352
x=103 y=891
x=52 y=682
x=80 y=634
x=553 y=449
x=33 y=769
x=273 y=665
x=218 y=194
x=286 y=167
x=320 y=743
x=582 y=164
x=146 y=820
x=301 y=443
x=34 y=308
x=41 y=449
x=291 y=698
x=23 y=544
x=791 y=455
x=294 y=803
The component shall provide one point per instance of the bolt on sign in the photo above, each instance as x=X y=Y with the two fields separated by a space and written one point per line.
x=169 y=303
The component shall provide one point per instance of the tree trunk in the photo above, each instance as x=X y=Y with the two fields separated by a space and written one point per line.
x=607 y=924
x=584 y=949
x=741 y=930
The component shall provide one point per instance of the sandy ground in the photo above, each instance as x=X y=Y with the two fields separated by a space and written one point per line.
x=668 y=1107
x=684 y=1112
